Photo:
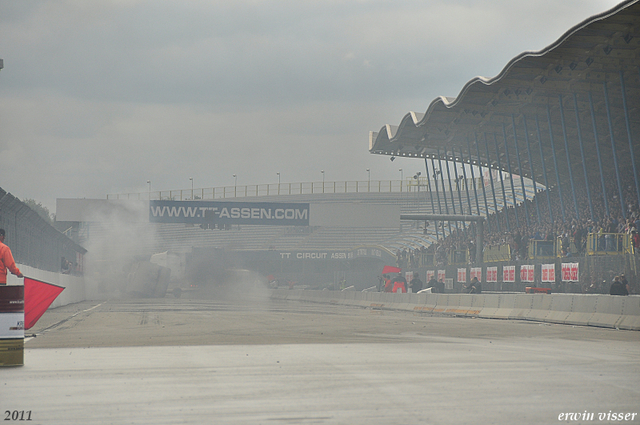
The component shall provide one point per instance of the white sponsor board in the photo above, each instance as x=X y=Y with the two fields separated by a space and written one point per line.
x=11 y=325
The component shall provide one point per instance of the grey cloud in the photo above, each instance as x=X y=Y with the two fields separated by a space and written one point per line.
x=98 y=97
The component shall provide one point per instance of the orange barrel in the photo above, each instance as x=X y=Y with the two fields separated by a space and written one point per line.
x=11 y=325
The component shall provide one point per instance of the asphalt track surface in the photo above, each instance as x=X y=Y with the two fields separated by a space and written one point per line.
x=199 y=360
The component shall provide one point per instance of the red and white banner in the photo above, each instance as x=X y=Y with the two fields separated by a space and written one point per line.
x=430 y=274
x=462 y=275
x=508 y=273
x=492 y=274
x=548 y=273
x=476 y=272
x=408 y=276
x=570 y=272
x=38 y=296
x=442 y=275
x=527 y=273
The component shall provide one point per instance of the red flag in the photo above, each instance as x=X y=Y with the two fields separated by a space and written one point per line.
x=391 y=269
x=38 y=296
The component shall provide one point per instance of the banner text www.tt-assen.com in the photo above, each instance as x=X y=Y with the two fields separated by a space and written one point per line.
x=262 y=213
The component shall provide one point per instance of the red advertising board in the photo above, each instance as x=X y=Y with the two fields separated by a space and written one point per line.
x=492 y=274
x=462 y=275
x=527 y=273
x=509 y=273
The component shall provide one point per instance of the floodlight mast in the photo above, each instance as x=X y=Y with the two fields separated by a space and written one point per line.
x=450 y=217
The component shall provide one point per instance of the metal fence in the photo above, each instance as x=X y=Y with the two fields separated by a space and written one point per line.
x=409 y=185
x=33 y=241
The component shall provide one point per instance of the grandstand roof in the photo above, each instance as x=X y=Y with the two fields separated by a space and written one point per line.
x=580 y=76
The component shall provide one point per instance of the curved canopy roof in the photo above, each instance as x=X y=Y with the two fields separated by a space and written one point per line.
x=563 y=103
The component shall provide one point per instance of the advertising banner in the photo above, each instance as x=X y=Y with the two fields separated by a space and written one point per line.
x=492 y=274
x=476 y=272
x=527 y=273
x=548 y=273
x=462 y=275
x=570 y=272
x=509 y=273
x=229 y=213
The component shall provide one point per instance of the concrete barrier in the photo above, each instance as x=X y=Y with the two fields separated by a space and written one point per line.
x=608 y=311
x=402 y=301
x=419 y=302
x=506 y=304
x=490 y=307
x=442 y=302
x=561 y=307
x=521 y=306
x=575 y=309
x=630 y=314
x=477 y=304
x=454 y=306
x=540 y=307
x=582 y=309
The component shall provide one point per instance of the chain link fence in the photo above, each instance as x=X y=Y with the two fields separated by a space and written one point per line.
x=33 y=241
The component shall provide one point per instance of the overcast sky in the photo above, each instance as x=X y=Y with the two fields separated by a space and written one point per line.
x=97 y=97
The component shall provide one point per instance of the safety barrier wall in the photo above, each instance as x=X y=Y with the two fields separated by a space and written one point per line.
x=572 y=309
x=74 y=285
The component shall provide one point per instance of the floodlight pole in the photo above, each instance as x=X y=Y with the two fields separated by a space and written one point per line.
x=448 y=217
x=278 y=173
x=235 y=185
x=369 y=183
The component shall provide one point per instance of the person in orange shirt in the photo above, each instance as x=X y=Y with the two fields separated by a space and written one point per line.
x=6 y=261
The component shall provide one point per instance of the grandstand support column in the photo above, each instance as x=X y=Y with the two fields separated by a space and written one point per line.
x=453 y=199
x=626 y=120
x=466 y=182
x=448 y=217
x=493 y=188
x=524 y=192
x=479 y=241
x=584 y=162
x=566 y=150
x=533 y=174
x=504 y=193
x=613 y=149
x=595 y=136
x=544 y=168
x=435 y=184
x=513 y=189
x=444 y=190
x=457 y=180
x=426 y=170
x=473 y=178
x=484 y=191
x=555 y=163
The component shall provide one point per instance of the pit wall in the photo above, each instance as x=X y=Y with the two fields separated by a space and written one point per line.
x=74 y=285
x=621 y=312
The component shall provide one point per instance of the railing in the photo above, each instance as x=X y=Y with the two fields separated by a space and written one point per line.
x=494 y=254
x=542 y=249
x=409 y=185
x=458 y=256
x=373 y=186
x=609 y=244
x=566 y=250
